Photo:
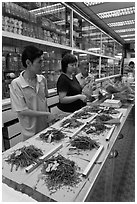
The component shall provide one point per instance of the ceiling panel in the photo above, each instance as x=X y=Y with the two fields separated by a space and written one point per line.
x=120 y=18
x=94 y=12
x=123 y=27
x=110 y=6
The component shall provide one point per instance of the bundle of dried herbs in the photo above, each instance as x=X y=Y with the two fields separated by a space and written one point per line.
x=104 y=117
x=92 y=109
x=95 y=127
x=71 y=123
x=110 y=110
x=82 y=115
x=60 y=172
x=83 y=142
x=52 y=135
x=24 y=156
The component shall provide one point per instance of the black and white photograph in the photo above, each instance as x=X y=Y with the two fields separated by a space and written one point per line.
x=68 y=101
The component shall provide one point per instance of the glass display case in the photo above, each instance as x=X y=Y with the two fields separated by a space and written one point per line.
x=85 y=35
x=107 y=47
x=56 y=28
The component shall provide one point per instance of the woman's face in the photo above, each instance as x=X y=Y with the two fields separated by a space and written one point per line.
x=71 y=68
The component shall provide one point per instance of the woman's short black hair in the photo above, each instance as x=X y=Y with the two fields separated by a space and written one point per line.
x=30 y=52
x=67 y=59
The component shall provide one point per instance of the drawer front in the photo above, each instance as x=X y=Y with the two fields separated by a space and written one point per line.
x=14 y=130
x=8 y=115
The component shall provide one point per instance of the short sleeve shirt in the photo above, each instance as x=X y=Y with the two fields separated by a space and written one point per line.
x=71 y=87
x=24 y=97
x=81 y=79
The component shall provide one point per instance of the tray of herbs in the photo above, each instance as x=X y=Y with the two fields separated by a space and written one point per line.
x=110 y=110
x=96 y=127
x=71 y=123
x=92 y=109
x=82 y=115
x=52 y=135
x=24 y=157
x=103 y=117
x=83 y=142
x=58 y=172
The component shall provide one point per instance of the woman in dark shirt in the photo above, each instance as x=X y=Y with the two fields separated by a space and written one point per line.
x=68 y=88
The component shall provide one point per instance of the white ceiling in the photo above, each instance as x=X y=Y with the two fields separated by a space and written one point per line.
x=120 y=22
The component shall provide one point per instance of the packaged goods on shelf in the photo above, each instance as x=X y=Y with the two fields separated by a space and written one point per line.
x=12 y=61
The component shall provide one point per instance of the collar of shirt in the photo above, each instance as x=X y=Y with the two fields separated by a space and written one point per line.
x=80 y=76
x=23 y=81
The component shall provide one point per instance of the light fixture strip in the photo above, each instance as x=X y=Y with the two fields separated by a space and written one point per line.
x=45 y=8
x=88 y=28
x=115 y=13
x=92 y=3
x=125 y=36
x=129 y=39
x=125 y=30
x=49 y=12
x=48 y=9
x=121 y=23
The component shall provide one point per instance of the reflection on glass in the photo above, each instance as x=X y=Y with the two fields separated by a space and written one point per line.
x=118 y=53
x=93 y=63
x=77 y=31
x=85 y=35
x=107 y=45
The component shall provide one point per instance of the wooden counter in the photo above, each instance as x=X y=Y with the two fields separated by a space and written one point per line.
x=86 y=190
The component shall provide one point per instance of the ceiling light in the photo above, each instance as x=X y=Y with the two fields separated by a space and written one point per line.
x=125 y=36
x=92 y=3
x=125 y=30
x=88 y=28
x=121 y=23
x=129 y=39
x=82 y=55
x=94 y=49
x=115 y=13
x=92 y=34
x=48 y=9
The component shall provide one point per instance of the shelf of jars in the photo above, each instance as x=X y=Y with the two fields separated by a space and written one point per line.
x=18 y=20
x=14 y=36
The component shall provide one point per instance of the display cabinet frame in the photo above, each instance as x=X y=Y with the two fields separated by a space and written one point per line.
x=10 y=38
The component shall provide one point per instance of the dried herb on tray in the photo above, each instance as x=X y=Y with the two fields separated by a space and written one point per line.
x=52 y=135
x=104 y=117
x=92 y=109
x=24 y=156
x=95 y=127
x=59 y=171
x=83 y=142
x=82 y=115
x=110 y=110
x=71 y=123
